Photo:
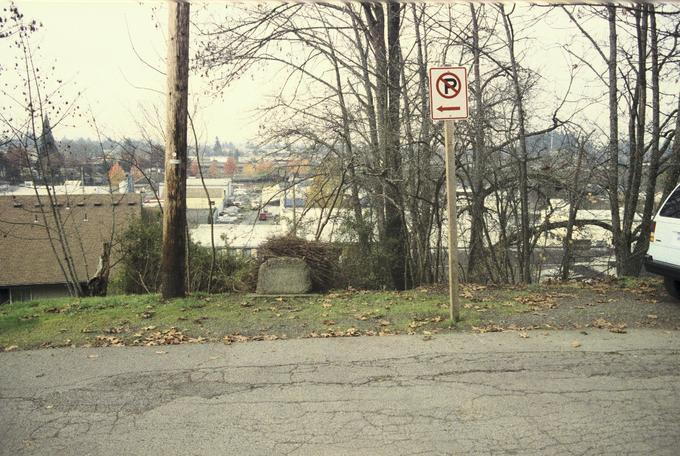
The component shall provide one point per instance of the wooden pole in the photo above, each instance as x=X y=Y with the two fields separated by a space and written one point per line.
x=173 y=269
x=450 y=158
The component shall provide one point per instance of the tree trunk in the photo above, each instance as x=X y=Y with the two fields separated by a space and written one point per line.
x=525 y=252
x=574 y=203
x=613 y=171
x=476 y=256
x=673 y=174
x=394 y=222
x=98 y=283
x=174 y=216
x=653 y=169
x=638 y=125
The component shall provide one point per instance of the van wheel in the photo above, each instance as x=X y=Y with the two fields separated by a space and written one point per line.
x=672 y=286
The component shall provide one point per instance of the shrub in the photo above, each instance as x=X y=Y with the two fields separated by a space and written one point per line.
x=227 y=273
x=139 y=251
x=367 y=270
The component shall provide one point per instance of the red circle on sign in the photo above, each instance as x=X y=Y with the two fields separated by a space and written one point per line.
x=443 y=85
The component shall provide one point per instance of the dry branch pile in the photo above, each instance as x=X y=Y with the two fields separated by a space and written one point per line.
x=321 y=257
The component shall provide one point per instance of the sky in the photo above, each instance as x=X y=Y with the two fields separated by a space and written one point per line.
x=100 y=49
x=113 y=53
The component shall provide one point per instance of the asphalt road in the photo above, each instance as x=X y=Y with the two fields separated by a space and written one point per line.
x=455 y=394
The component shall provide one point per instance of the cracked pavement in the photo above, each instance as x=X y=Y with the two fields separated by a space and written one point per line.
x=494 y=393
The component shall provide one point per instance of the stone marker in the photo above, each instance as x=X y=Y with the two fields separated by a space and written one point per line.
x=284 y=275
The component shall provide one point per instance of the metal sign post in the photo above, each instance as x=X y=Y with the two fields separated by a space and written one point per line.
x=448 y=102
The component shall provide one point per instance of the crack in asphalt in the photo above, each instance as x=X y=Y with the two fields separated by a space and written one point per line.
x=623 y=402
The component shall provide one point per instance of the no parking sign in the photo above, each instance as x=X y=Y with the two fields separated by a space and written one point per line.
x=448 y=93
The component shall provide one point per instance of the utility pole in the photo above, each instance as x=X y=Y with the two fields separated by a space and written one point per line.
x=173 y=269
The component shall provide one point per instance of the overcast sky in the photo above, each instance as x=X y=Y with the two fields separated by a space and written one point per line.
x=95 y=46
x=98 y=46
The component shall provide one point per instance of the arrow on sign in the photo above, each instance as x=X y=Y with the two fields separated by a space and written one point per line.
x=448 y=108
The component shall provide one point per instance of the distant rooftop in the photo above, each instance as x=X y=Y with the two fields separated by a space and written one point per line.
x=26 y=255
x=70 y=187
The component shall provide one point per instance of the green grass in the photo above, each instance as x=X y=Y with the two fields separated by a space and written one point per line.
x=72 y=321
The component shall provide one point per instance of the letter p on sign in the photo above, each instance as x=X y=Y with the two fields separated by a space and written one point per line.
x=448 y=93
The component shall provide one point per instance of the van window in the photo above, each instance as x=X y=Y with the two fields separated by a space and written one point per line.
x=672 y=206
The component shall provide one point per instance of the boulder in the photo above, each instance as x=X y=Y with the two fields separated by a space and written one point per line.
x=284 y=275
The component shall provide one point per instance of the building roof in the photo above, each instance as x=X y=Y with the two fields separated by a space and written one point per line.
x=26 y=254
x=71 y=188
x=222 y=182
x=238 y=236
x=199 y=192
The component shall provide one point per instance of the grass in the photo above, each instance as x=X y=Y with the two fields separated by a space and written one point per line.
x=130 y=319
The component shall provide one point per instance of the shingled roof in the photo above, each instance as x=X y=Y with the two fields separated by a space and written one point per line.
x=26 y=255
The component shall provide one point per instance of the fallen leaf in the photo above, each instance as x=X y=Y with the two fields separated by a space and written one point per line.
x=576 y=344
x=11 y=348
x=161 y=352
x=524 y=335
x=601 y=323
x=653 y=317
x=108 y=341
x=384 y=323
x=488 y=328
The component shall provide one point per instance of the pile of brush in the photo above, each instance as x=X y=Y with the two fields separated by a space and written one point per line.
x=321 y=257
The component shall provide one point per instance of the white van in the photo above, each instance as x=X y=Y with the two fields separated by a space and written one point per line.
x=663 y=256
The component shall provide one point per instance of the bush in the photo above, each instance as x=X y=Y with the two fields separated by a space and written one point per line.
x=139 y=250
x=139 y=253
x=321 y=257
x=227 y=273
x=366 y=270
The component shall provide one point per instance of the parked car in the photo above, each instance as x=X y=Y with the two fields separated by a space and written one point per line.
x=226 y=219
x=263 y=216
x=663 y=256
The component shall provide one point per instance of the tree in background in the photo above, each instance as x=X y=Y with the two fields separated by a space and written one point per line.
x=230 y=167
x=14 y=163
x=116 y=175
x=213 y=170
x=642 y=48
x=217 y=148
x=137 y=173
x=264 y=167
x=49 y=153
x=193 y=170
